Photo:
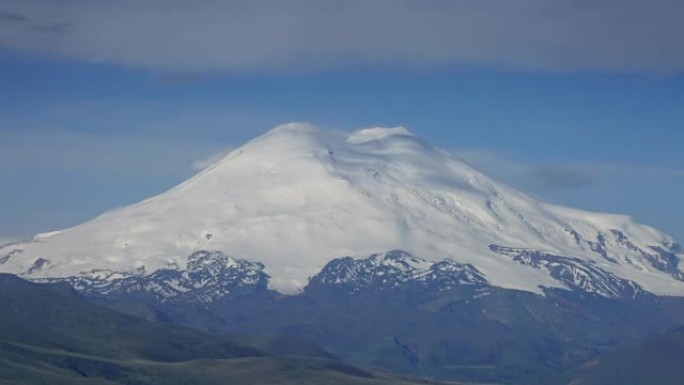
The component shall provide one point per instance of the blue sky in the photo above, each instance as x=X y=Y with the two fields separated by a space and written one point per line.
x=83 y=130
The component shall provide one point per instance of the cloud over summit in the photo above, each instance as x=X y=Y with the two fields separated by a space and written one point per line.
x=317 y=35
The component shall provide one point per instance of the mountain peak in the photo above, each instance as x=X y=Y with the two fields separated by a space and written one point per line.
x=298 y=197
x=295 y=137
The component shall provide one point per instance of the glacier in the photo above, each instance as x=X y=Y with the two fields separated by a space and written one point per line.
x=299 y=197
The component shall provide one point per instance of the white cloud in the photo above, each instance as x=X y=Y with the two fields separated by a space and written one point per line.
x=301 y=35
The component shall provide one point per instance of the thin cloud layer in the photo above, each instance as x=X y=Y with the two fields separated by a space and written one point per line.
x=314 y=35
x=548 y=178
x=557 y=177
x=104 y=154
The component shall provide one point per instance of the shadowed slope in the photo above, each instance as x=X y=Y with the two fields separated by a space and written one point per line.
x=49 y=335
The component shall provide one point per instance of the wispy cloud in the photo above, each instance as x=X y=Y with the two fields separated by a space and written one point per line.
x=201 y=164
x=543 y=178
x=132 y=137
x=12 y=17
x=557 y=177
x=118 y=154
x=301 y=35
x=7 y=240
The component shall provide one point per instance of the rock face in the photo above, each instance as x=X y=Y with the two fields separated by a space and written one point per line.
x=575 y=273
x=208 y=276
x=297 y=198
x=211 y=275
x=392 y=270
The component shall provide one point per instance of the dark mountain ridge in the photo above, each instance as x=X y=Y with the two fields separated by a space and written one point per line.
x=49 y=334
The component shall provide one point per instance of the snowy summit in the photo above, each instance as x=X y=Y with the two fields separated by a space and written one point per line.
x=298 y=197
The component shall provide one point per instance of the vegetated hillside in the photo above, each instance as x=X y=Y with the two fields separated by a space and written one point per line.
x=49 y=335
x=658 y=361
x=440 y=320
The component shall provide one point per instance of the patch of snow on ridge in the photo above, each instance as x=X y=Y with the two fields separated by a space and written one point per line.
x=368 y=134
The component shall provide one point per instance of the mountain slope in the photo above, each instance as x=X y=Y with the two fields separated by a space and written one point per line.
x=657 y=361
x=49 y=335
x=55 y=317
x=440 y=320
x=298 y=197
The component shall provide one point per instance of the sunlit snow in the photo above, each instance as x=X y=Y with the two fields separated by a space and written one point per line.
x=298 y=196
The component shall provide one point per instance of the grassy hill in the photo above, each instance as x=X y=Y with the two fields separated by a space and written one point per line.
x=658 y=361
x=49 y=335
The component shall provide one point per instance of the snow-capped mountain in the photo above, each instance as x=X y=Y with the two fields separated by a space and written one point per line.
x=394 y=269
x=291 y=201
